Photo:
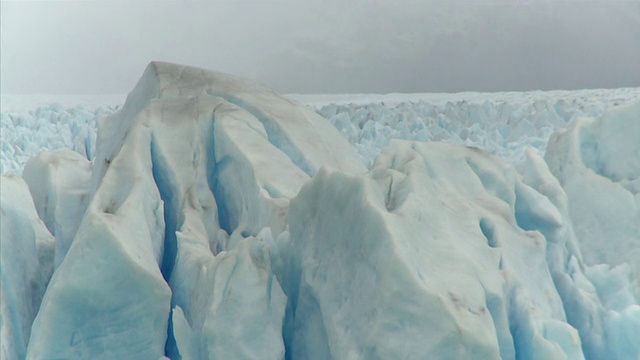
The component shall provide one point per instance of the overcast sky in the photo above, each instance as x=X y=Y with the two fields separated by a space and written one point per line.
x=334 y=46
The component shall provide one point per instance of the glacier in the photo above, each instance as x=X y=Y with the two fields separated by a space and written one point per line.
x=209 y=217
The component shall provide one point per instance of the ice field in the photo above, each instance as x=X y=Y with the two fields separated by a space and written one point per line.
x=208 y=217
x=499 y=123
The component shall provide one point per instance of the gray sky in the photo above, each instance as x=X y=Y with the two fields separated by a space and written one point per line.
x=331 y=46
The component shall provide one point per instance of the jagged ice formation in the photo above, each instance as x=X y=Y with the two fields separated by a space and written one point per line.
x=215 y=219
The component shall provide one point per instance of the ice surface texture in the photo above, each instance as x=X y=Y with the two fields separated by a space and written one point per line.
x=215 y=219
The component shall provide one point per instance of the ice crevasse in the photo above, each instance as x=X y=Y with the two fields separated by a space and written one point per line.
x=219 y=220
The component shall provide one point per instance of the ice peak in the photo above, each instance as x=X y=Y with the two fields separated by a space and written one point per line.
x=175 y=79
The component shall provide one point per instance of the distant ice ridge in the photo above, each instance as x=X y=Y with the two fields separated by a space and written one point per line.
x=219 y=220
x=499 y=123
x=48 y=127
x=502 y=124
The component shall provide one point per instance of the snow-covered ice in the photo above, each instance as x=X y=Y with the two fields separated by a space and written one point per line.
x=209 y=217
